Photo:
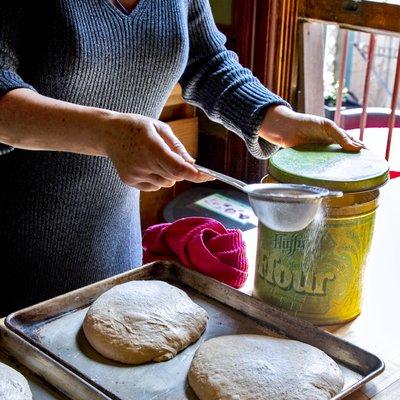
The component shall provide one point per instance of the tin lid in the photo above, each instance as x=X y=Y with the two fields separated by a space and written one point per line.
x=330 y=166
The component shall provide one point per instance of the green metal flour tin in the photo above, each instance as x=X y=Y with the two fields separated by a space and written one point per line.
x=317 y=273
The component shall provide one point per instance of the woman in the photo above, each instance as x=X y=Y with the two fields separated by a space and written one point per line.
x=82 y=84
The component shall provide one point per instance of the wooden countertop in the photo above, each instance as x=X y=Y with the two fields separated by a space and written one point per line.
x=377 y=329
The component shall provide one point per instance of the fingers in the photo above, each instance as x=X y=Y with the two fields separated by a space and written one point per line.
x=341 y=137
x=159 y=181
x=362 y=144
x=165 y=173
x=177 y=147
x=173 y=142
x=179 y=168
x=172 y=166
x=146 y=187
x=150 y=183
x=168 y=163
x=152 y=157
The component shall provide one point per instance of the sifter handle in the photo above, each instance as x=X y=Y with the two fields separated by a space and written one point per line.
x=221 y=177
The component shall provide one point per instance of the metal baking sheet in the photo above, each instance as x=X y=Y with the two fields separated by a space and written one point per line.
x=52 y=331
x=40 y=389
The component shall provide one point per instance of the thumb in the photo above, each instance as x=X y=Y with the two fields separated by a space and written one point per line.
x=173 y=142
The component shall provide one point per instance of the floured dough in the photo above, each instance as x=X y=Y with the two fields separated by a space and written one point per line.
x=13 y=385
x=254 y=367
x=142 y=321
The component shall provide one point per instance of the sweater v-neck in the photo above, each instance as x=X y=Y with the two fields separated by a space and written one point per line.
x=119 y=9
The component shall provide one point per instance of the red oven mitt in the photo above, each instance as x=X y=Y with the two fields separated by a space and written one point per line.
x=203 y=244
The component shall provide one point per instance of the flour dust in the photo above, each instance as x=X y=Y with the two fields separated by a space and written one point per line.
x=314 y=234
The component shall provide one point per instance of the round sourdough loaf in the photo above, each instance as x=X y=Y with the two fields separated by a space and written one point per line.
x=13 y=385
x=143 y=321
x=254 y=367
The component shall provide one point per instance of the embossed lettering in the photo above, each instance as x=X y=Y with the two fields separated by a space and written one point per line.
x=292 y=278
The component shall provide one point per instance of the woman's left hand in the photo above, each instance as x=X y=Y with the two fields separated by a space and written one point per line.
x=287 y=128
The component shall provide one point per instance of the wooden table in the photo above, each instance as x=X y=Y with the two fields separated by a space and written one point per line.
x=377 y=329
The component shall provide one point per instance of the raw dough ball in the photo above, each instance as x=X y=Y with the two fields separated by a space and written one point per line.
x=254 y=367
x=142 y=321
x=13 y=385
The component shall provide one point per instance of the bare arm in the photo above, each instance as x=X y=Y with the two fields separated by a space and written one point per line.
x=34 y=122
x=145 y=152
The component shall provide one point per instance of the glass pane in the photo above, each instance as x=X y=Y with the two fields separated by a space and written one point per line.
x=380 y=90
x=383 y=70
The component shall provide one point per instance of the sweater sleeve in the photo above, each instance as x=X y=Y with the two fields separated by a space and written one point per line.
x=11 y=25
x=215 y=81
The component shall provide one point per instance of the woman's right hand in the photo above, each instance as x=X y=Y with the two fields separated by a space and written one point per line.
x=146 y=153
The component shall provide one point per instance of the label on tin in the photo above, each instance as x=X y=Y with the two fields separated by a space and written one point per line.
x=315 y=273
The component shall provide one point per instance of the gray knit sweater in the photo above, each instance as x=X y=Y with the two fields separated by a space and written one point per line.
x=66 y=220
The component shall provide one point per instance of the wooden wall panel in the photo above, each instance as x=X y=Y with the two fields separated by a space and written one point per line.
x=186 y=130
x=175 y=107
x=152 y=204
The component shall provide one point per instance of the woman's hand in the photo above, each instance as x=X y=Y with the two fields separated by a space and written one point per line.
x=287 y=128
x=147 y=154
